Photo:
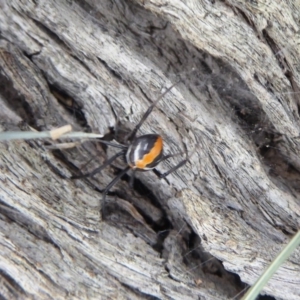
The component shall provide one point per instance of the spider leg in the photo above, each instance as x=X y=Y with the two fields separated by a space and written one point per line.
x=179 y=165
x=120 y=146
x=131 y=182
x=99 y=169
x=183 y=162
x=165 y=157
x=132 y=134
x=114 y=181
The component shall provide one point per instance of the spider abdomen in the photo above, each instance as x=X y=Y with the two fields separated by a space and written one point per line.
x=145 y=152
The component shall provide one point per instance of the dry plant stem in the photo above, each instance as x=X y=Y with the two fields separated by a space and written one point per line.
x=272 y=268
x=53 y=134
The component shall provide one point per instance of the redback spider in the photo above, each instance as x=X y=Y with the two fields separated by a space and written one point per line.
x=141 y=153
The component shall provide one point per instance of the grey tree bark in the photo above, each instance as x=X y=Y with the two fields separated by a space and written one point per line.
x=212 y=227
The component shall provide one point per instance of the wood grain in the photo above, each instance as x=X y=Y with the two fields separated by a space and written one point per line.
x=210 y=228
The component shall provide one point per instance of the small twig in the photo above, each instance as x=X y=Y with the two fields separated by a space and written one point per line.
x=59 y=133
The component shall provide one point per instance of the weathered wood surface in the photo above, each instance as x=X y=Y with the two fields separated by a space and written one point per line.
x=89 y=63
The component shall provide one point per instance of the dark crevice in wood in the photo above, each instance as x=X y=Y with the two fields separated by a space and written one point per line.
x=244 y=16
x=61 y=157
x=265 y=297
x=2 y=297
x=138 y=293
x=56 y=38
x=17 y=101
x=278 y=53
x=251 y=118
x=27 y=224
x=111 y=70
x=257 y=127
x=70 y=105
x=31 y=55
x=52 y=36
x=143 y=191
x=202 y=266
x=11 y=285
x=210 y=264
x=278 y=167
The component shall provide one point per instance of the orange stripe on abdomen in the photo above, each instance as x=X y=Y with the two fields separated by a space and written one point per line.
x=151 y=156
